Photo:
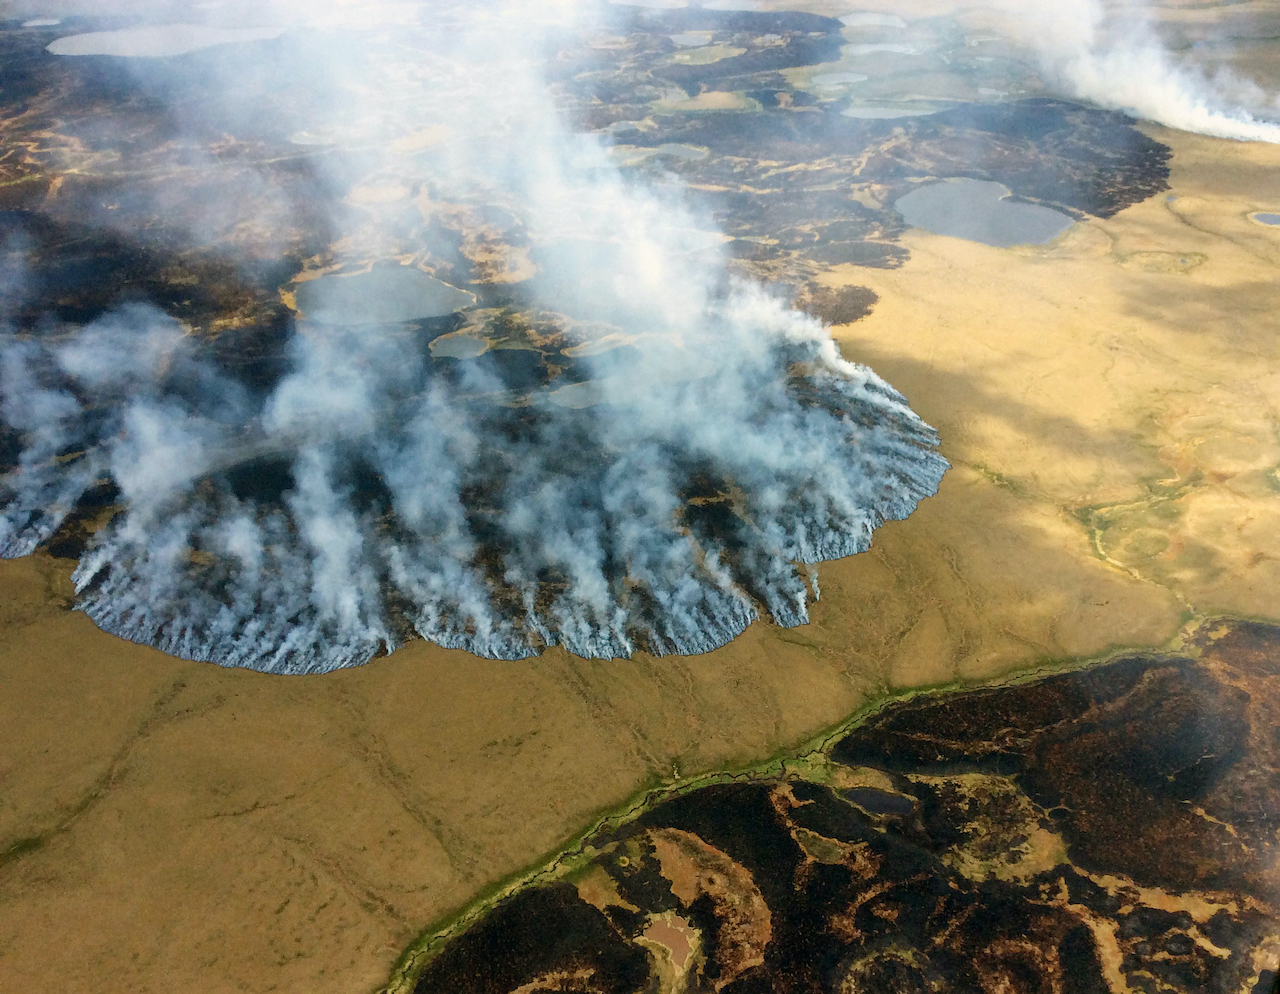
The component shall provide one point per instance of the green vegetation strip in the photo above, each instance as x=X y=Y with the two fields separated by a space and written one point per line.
x=808 y=761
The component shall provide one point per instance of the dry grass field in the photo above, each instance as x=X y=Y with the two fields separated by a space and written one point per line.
x=1110 y=403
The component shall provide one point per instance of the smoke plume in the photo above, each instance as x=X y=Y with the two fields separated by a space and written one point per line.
x=1113 y=57
x=689 y=447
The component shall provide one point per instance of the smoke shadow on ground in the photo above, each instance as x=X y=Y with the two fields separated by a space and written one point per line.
x=952 y=398
x=1235 y=312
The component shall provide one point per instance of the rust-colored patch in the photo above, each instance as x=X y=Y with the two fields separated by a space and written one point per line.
x=1005 y=964
x=695 y=868
x=560 y=980
x=673 y=938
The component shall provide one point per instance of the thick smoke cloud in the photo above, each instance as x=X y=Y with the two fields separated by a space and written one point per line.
x=1112 y=56
x=659 y=500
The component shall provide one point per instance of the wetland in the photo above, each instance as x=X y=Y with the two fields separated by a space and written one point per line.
x=1057 y=668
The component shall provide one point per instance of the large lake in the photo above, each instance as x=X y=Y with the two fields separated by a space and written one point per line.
x=157 y=41
x=980 y=212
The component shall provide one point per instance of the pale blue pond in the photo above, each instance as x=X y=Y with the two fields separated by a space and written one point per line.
x=384 y=295
x=980 y=212
x=837 y=78
x=868 y=19
x=889 y=112
x=157 y=41
x=893 y=47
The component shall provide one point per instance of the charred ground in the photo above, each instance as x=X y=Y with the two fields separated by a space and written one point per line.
x=1112 y=822
x=96 y=217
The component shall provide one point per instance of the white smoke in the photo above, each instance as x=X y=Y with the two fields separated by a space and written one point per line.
x=479 y=514
x=1113 y=57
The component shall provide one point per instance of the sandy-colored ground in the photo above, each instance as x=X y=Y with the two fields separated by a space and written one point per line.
x=1110 y=404
x=1119 y=386
x=215 y=830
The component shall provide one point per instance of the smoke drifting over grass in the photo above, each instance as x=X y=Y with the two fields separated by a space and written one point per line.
x=1111 y=56
x=658 y=496
x=652 y=466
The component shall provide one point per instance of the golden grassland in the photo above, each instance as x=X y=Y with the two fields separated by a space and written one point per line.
x=1109 y=403
x=1111 y=406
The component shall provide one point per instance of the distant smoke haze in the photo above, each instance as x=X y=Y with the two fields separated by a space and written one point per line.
x=1112 y=56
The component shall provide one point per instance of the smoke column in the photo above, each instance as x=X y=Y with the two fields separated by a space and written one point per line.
x=661 y=500
x=1115 y=60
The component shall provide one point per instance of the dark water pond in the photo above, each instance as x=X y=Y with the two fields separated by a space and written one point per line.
x=980 y=212
x=881 y=802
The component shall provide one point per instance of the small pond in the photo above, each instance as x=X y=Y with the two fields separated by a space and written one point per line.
x=458 y=345
x=896 y=48
x=837 y=78
x=880 y=802
x=888 y=112
x=868 y=19
x=383 y=295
